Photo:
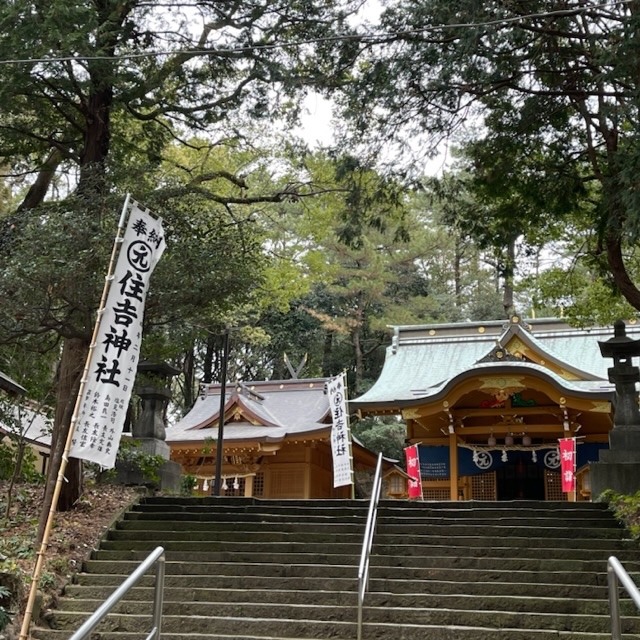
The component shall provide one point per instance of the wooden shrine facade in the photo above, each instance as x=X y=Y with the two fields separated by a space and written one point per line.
x=277 y=445
x=488 y=402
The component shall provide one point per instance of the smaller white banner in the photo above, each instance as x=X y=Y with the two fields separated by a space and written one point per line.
x=340 y=434
x=114 y=361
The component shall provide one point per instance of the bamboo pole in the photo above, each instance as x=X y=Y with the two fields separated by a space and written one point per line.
x=26 y=621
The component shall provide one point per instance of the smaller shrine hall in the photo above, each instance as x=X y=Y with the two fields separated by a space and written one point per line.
x=488 y=402
x=277 y=443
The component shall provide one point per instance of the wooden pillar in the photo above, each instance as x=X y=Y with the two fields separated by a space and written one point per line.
x=248 y=486
x=307 y=472
x=453 y=466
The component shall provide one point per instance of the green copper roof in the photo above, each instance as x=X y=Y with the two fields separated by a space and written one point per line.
x=422 y=359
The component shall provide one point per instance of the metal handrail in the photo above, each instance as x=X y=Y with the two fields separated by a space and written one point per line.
x=156 y=557
x=616 y=574
x=363 y=569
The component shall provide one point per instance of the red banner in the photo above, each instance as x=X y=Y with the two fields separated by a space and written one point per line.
x=568 y=464
x=413 y=471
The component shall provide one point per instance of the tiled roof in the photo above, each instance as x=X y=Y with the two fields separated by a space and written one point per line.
x=421 y=359
x=269 y=411
x=35 y=426
x=10 y=385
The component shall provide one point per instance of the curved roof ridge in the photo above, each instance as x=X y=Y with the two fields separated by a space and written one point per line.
x=255 y=409
x=543 y=372
x=538 y=345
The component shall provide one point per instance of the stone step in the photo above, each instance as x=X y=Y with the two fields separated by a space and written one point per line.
x=332 y=557
x=209 y=524
x=186 y=604
x=137 y=530
x=268 y=620
x=259 y=570
x=586 y=520
x=382 y=632
x=206 y=549
x=206 y=515
x=204 y=571
x=186 y=584
x=229 y=503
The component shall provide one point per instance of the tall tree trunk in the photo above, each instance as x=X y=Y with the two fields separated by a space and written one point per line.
x=327 y=352
x=356 y=339
x=38 y=190
x=188 y=369
x=619 y=271
x=457 y=276
x=509 y=270
x=207 y=365
x=74 y=352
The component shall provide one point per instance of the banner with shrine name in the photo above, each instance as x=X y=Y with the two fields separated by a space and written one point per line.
x=413 y=471
x=114 y=360
x=568 y=464
x=340 y=434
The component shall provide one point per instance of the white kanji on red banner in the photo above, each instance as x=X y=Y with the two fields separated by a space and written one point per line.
x=413 y=471
x=568 y=464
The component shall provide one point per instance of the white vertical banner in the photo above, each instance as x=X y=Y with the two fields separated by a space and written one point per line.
x=340 y=432
x=112 y=367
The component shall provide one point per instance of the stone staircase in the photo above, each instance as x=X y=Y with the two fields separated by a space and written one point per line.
x=250 y=570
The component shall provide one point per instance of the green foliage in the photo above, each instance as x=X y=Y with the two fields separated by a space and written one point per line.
x=187 y=485
x=381 y=434
x=553 y=106
x=5 y=614
x=626 y=509
x=578 y=295
x=130 y=455
x=17 y=547
x=8 y=460
x=48 y=581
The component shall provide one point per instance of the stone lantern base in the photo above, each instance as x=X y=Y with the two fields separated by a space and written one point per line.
x=618 y=468
x=169 y=472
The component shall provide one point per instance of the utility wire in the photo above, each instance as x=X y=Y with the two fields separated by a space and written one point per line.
x=367 y=38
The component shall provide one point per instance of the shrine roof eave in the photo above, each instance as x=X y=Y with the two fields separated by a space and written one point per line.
x=261 y=404
x=516 y=330
x=10 y=385
x=233 y=434
x=597 y=390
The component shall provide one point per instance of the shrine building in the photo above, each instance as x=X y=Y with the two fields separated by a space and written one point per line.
x=488 y=402
x=277 y=443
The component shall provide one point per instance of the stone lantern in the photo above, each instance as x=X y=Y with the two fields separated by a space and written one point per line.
x=618 y=467
x=150 y=428
x=149 y=431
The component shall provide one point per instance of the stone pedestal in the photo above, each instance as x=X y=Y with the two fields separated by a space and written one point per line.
x=149 y=431
x=618 y=468
x=169 y=476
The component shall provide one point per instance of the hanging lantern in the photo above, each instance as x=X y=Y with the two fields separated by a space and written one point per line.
x=492 y=440
x=526 y=441
x=509 y=440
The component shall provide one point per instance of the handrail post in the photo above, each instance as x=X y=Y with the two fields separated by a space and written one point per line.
x=156 y=557
x=614 y=602
x=158 y=597
x=616 y=576
x=363 y=568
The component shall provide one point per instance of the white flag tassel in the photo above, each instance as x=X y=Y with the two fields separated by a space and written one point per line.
x=340 y=432
x=111 y=372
